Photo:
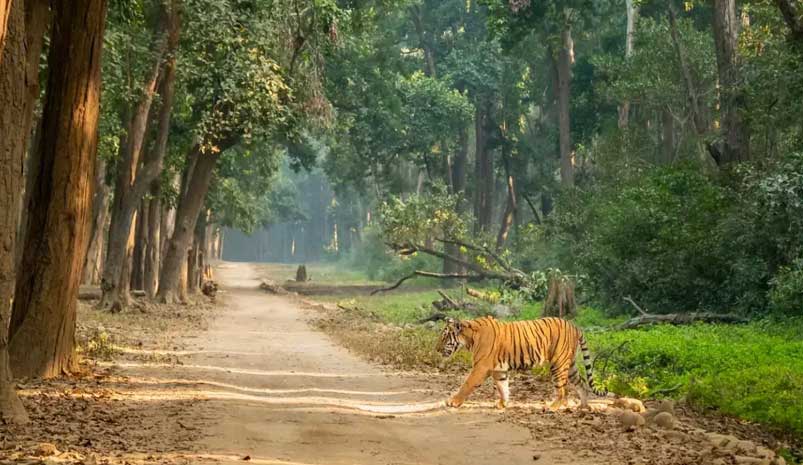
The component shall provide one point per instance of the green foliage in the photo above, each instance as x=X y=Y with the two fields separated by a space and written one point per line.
x=752 y=371
x=238 y=90
x=786 y=293
x=379 y=263
x=422 y=217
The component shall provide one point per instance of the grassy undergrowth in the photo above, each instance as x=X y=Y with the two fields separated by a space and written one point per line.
x=752 y=371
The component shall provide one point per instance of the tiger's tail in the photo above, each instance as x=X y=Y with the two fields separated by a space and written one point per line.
x=589 y=368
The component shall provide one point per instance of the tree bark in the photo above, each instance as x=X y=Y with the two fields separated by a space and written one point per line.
x=632 y=11
x=37 y=21
x=667 y=136
x=186 y=216
x=60 y=206
x=736 y=137
x=458 y=176
x=100 y=215
x=565 y=60
x=697 y=116
x=12 y=151
x=152 y=248
x=793 y=18
x=133 y=183
x=511 y=206
x=140 y=244
x=483 y=171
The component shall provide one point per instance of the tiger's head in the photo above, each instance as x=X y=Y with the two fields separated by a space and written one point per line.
x=451 y=338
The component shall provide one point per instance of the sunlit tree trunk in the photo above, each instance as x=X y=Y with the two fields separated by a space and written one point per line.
x=152 y=248
x=60 y=206
x=100 y=216
x=186 y=216
x=12 y=151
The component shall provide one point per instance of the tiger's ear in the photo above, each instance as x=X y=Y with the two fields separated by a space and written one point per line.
x=458 y=325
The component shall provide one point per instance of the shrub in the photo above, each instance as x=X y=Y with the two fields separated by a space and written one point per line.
x=786 y=294
x=677 y=240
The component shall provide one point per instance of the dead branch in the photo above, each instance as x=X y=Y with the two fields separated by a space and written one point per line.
x=681 y=319
x=511 y=277
x=426 y=274
x=448 y=299
x=634 y=304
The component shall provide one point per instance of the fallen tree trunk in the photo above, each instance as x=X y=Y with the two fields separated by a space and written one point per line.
x=681 y=319
x=95 y=293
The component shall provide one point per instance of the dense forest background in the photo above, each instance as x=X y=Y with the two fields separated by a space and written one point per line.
x=651 y=149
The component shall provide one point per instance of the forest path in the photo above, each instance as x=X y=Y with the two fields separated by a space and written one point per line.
x=280 y=392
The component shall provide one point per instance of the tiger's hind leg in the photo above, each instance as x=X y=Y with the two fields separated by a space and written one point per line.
x=579 y=387
x=560 y=376
x=501 y=382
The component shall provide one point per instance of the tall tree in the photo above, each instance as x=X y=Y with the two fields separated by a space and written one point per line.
x=58 y=230
x=736 y=136
x=136 y=173
x=12 y=143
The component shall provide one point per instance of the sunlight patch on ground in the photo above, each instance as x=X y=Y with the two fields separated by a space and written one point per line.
x=239 y=371
x=189 y=382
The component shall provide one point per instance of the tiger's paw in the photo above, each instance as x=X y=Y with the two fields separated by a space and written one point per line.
x=557 y=405
x=453 y=402
x=502 y=404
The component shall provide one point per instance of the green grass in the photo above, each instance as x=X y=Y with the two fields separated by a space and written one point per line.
x=752 y=371
x=394 y=307
x=319 y=273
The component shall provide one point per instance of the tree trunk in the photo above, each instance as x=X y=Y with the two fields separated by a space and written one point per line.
x=697 y=116
x=139 y=246
x=667 y=136
x=458 y=176
x=100 y=214
x=60 y=206
x=793 y=15
x=565 y=60
x=187 y=214
x=624 y=108
x=132 y=184
x=511 y=206
x=736 y=143
x=483 y=172
x=152 y=249
x=37 y=22
x=12 y=151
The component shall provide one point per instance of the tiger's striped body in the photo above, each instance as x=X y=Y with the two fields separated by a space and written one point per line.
x=498 y=347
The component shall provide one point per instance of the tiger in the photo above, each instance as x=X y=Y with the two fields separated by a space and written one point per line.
x=498 y=347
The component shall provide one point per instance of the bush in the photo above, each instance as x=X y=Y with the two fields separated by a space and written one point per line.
x=786 y=294
x=752 y=371
x=677 y=240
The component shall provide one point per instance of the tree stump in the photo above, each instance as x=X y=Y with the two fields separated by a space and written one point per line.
x=560 y=300
x=301 y=274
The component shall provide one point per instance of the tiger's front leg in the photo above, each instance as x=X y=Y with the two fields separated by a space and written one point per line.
x=502 y=388
x=474 y=380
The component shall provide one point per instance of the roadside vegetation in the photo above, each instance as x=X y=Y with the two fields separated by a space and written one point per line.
x=752 y=371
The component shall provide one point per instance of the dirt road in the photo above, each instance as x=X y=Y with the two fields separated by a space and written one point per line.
x=281 y=392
